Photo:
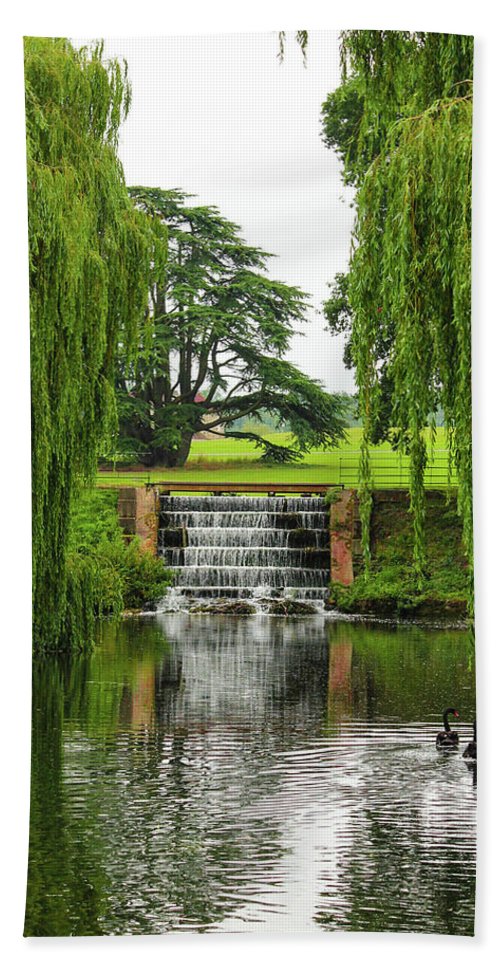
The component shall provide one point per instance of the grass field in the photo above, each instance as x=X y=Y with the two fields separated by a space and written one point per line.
x=237 y=461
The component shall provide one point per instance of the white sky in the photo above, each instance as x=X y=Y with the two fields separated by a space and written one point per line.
x=219 y=117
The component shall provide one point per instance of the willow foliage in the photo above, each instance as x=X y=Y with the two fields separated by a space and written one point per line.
x=89 y=266
x=410 y=268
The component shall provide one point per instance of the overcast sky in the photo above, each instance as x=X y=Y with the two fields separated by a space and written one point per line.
x=219 y=117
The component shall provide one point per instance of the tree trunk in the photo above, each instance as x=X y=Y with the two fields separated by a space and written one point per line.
x=173 y=458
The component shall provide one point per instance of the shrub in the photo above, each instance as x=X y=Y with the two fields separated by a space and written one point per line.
x=117 y=575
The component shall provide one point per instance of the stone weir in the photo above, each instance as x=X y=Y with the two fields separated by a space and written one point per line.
x=270 y=552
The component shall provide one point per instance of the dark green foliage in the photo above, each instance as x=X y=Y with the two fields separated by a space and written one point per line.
x=218 y=331
x=391 y=587
x=398 y=74
x=106 y=575
x=90 y=255
x=273 y=453
x=337 y=308
x=339 y=316
x=342 y=117
x=333 y=495
x=408 y=288
x=144 y=576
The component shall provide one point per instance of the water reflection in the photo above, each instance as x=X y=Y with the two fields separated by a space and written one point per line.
x=216 y=773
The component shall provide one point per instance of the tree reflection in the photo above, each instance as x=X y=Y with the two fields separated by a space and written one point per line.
x=171 y=764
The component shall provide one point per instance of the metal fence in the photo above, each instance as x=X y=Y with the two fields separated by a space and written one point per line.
x=392 y=470
x=337 y=467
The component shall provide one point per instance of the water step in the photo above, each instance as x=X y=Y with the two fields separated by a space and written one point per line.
x=243 y=537
x=254 y=577
x=246 y=557
x=318 y=593
x=312 y=520
x=281 y=505
x=245 y=547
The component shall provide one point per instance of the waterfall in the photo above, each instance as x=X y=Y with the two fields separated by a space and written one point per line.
x=253 y=549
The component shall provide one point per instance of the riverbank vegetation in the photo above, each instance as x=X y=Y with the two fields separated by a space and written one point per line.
x=402 y=125
x=390 y=588
x=106 y=575
x=90 y=253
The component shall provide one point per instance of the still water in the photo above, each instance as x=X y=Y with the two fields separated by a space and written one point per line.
x=205 y=773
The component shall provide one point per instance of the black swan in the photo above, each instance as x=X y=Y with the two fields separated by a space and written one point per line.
x=470 y=751
x=447 y=739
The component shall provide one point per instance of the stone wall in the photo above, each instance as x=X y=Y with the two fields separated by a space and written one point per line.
x=139 y=509
x=345 y=537
x=138 y=513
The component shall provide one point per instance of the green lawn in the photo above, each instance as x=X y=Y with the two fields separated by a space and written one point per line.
x=237 y=461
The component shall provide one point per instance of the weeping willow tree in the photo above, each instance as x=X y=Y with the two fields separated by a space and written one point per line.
x=90 y=256
x=409 y=276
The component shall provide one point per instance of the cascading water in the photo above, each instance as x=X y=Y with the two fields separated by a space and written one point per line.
x=257 y=549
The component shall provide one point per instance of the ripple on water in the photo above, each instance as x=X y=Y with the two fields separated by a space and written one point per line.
x=253 y=775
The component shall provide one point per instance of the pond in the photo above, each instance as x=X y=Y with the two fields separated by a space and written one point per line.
x=212 y=773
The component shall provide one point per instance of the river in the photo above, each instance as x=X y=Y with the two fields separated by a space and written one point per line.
x=217 y=773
